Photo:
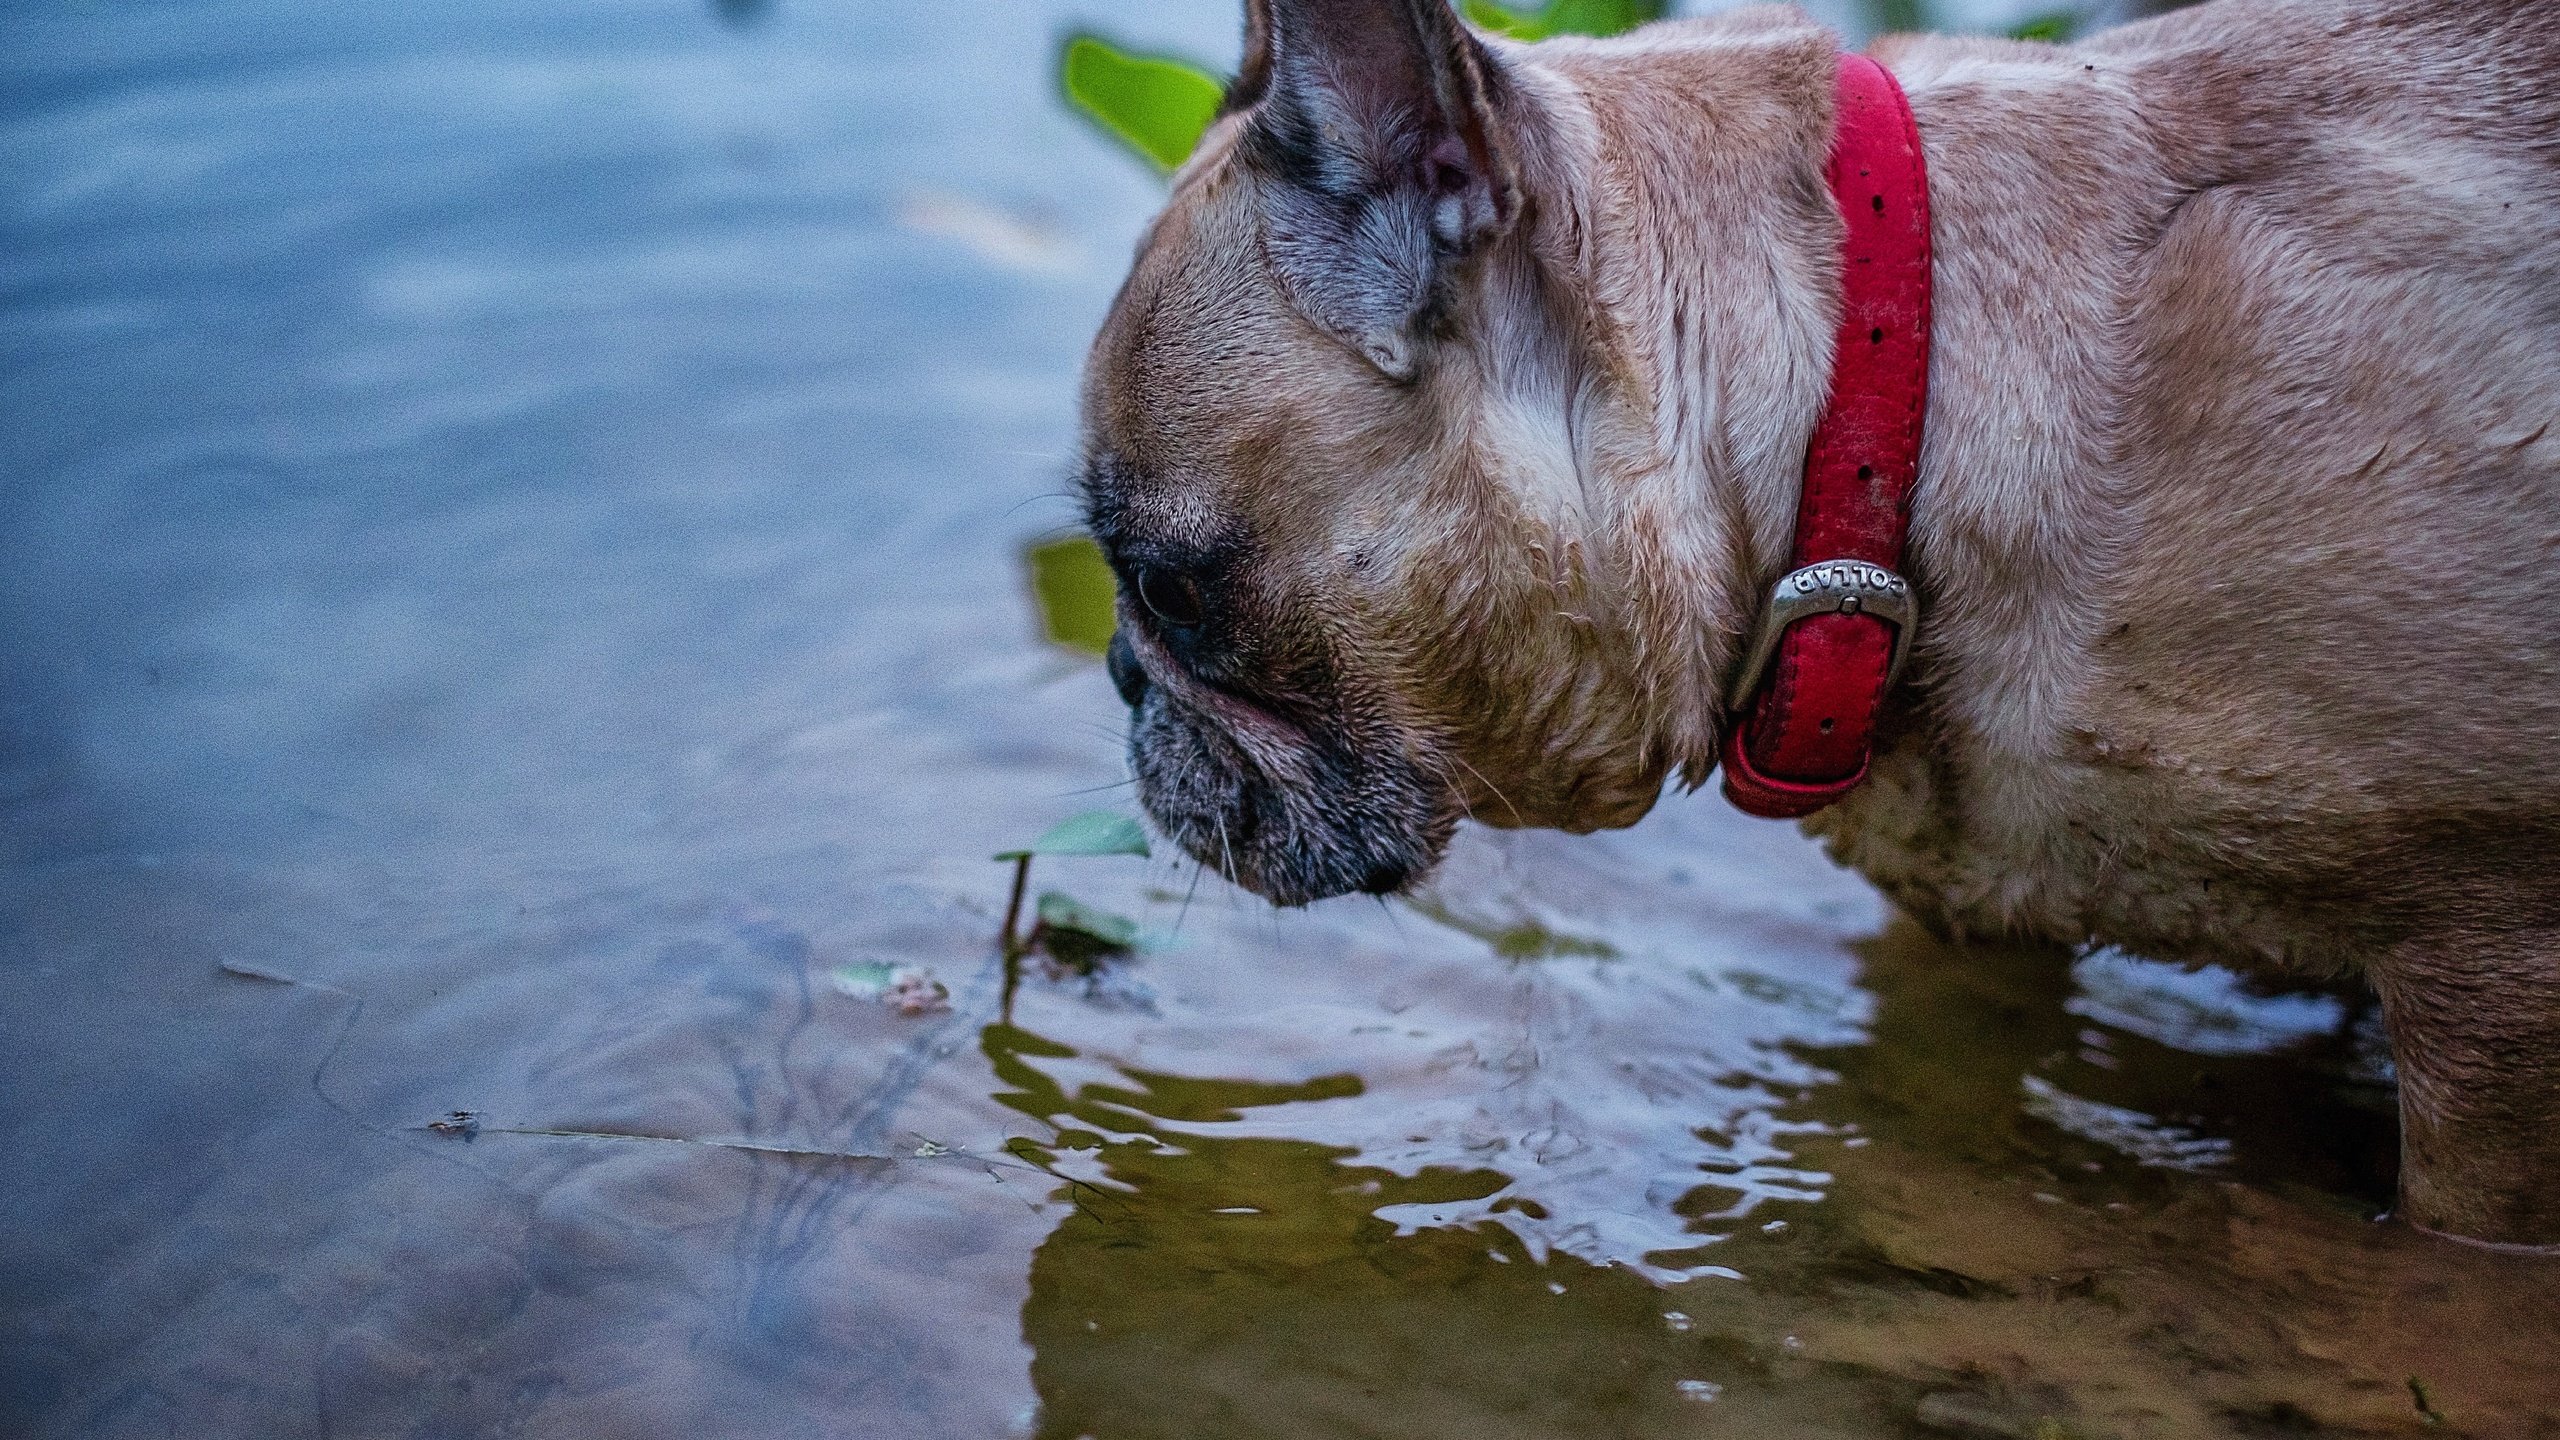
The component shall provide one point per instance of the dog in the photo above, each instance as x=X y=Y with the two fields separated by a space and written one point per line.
x=1448 y=434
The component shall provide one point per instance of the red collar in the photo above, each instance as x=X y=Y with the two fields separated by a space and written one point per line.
x=1836 y=627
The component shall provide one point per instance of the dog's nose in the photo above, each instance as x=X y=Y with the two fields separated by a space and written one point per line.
x=1125 y=670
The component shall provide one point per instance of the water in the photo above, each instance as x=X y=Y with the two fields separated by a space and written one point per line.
x=513 y=581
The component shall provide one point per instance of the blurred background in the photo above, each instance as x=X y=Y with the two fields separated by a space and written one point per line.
x=536 y=571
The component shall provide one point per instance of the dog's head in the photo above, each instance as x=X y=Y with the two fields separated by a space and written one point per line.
x=1402 y=528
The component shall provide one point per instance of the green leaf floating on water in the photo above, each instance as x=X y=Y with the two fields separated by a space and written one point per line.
x=1104 y=928
x=1159 y=105
x=866 y=978
x=1565 y=17
x=1095 y=832
x=1073 y=584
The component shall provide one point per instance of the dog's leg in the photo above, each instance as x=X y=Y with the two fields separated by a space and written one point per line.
x=2475 y=1035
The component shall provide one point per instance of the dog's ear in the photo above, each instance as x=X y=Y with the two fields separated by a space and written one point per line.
x=1378 y=127
x=1253 y=75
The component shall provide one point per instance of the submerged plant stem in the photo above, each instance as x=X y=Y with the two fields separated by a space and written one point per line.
x=1009 y=940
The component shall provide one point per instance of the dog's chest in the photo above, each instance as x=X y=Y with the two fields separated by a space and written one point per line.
x=2069 y=854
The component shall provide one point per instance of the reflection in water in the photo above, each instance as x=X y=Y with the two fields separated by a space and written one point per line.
x=1981 y=1033
x=2207 y=1010
x=2131 y=1133
x=1245 y=1286
x=1977 y=1267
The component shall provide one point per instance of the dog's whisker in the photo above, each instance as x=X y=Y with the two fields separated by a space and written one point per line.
x=1188 y=892
x=1042 y=498
x=1394 y=920
x=1449 y=782
x=1489 y=785
x=1097 y=789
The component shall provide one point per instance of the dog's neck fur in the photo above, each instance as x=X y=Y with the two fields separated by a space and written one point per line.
x=1696 y=395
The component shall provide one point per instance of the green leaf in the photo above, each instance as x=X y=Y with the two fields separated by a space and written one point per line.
x=1102 y=927
x=1158 y=105
x=865 y=979
x=1502 y=20
x=1565 y=17
x=1076 y=591
x=1095 y=832
x=2055 y=27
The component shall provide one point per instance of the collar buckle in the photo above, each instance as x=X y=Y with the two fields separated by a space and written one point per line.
x=1828 y=587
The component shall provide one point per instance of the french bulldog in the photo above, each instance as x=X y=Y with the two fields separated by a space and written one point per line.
x=1448 y=432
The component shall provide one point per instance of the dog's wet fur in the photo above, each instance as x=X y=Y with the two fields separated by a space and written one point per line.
x=1449 y=427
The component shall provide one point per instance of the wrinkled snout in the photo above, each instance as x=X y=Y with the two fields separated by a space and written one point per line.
x=1291 y=811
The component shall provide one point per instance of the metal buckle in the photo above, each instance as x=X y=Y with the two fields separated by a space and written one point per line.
x=1829 y=587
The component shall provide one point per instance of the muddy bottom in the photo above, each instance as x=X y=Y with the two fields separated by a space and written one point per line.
x=517 y=641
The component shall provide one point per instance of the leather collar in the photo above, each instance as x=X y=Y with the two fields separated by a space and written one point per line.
x=1836 y=627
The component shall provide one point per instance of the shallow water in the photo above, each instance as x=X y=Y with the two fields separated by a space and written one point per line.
x=515 y=591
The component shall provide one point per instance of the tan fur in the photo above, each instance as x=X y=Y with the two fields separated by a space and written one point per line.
x=2235 y=527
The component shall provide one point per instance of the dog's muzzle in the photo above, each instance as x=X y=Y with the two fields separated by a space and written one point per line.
x=1325 y=816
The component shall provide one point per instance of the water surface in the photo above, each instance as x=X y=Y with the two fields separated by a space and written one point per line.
x=513 y=581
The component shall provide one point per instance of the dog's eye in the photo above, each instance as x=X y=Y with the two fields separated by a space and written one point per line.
x=1174 y=598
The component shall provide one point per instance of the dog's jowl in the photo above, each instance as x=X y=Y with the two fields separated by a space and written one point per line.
x=1452 y=430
